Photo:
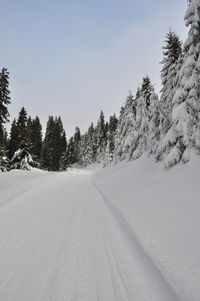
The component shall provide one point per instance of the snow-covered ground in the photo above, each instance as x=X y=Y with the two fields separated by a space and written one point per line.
x=126 y=232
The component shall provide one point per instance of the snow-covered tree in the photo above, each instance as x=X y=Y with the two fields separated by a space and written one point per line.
x=88 y=147
x=4 y=102
x=144 y=112
x=77 y=142
x=70 y=152
x=110 y=147
x=22 y=127
x=87 y=154
x=154 y=134
x=100 y=134
x=54 y=144
x=4 y=161
x=14 y=139
x=22 y=158
x=125 y=130
x=36 y=138
x=184 y=133
x=141 y=126
x=171 y=54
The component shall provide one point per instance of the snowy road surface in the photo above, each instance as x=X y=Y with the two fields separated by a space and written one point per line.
x=61 y=239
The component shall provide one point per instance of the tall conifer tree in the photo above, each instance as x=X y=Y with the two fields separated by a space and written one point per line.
x=4 y=102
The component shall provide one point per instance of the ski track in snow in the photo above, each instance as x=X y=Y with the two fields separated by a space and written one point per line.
x=62 y=239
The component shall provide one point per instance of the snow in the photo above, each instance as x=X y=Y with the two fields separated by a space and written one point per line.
x=162 y=208
x=124 y=232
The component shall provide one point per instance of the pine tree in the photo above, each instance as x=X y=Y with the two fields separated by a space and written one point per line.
x=14 y=139
x=112 y=127
x=47 y=146
x=77 y=141
x=4 y=161
x=100 y=136
x=172 y=52
x=70 y=152
x=22 y=159
x=139 y=143
x=22 y=127
x=29 y=132
x=146 y=90
x=143 y=135
x=184 y=133
x=154 y=135
x=125 y=129
x=54 y=144
x=4 y=102
x=36 y=138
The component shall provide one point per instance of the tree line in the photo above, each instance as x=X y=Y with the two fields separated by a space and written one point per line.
x=166 y=127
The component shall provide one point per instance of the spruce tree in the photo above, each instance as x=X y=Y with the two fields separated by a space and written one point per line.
x=77 y=141
x=139 y=143
x=172 y=52
x=146 y=90
x=125 y=129
x=4 y=102
x=100 y=136
x=183 y=136
x=70 y=152
x=14 y=139
x=144 y=122
x=47 y=146
x=36 y=138
x=22 y=127
x=154 y=135
x=54 y=144
x=112 y=127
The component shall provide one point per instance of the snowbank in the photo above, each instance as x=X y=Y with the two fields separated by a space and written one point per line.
x=163 y=209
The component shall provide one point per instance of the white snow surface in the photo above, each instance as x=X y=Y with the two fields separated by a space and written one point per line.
x=125 y=232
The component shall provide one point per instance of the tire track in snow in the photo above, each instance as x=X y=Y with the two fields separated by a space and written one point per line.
x=60 y=261
x=114 y=270
x=132 y=240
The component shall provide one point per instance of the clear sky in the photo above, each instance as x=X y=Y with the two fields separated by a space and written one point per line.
x=76 y=57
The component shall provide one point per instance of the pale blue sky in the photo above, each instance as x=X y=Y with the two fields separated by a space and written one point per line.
x=75 y=57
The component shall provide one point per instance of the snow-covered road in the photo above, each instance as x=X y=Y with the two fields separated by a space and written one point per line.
x=62 y=239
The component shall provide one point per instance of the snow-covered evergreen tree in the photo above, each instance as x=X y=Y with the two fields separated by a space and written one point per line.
x=172 y=60
x=70 y=152
x=171 y=54
x=141 y=126
x=88 y=147
x=183 y=135
x=110 y=147
x=77 y=143
x=14 y=139
x=141 y=138
x=87 y=154
x=36 y=138
x=4 y=102
x=54 y=144
x=22 y=158
x=154 y=134
x=125 y=129
x=22 y=127
x=4 y=160
x=100 y=135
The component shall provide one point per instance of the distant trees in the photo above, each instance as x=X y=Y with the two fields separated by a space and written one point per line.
x=35 y=138
x=14 y=139
x=54 y=144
